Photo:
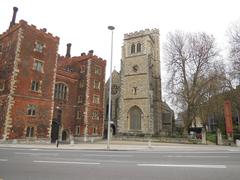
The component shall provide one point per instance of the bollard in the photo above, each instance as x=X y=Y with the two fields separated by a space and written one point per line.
x=237 y=142
x=149 y=144
x=219 y=137
x=204 y=136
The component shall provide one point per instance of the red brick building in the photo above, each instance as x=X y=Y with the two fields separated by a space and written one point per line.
x=79 y=90
x=44 y=96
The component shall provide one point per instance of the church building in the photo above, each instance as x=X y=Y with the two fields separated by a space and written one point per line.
x=137 y=107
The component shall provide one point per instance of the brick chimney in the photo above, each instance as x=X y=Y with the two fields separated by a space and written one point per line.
x=68 y=54
x=12 y=23
x=90 y=52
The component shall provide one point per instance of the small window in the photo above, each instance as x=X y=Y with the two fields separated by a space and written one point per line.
x=38 y=65
x=9 y=45
x=2 y=110
x=97 y=70
x=31 y=110
x=139 y=47
x=2 y=85
x=69 y=69
x=78 y=115
x=95 y=130
x=95 y=115
x=30 y=132
x=81 y=83
x=96 y=99
x=132 y=48
x=39 y=47
x=80 y=99
x=77 y=131
x=82 y=69
x=134 y=90
x=35 y=86
x=96 y=84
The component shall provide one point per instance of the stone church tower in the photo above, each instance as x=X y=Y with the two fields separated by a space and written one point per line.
x=140 y=99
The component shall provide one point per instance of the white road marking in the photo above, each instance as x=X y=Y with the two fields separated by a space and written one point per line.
x=234 y=150
x=199 y=156
x=37 y=154
x=107 y=155
x=184 y=165
x=93 y=160
x=67 y=162
x=192 y=152
x=4 y=160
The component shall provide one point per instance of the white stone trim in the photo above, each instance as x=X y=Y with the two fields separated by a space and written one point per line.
x=88 y=79
x=8 y=121
x=53 y=89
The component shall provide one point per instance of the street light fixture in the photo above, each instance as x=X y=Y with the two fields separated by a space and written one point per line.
x=111 y=28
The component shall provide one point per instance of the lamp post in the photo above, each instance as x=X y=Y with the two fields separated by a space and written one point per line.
x=111 y=28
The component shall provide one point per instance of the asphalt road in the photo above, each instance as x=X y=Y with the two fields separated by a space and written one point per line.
x=163 y=164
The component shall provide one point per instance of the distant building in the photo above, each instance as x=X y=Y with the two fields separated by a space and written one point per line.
x=168 y=118
x=44 y=96
x=115 y=102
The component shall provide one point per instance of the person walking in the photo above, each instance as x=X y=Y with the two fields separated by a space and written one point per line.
x=57 y=143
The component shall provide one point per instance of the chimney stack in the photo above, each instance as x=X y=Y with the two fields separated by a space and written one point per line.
x=68 y=50
x=12 y=23
x=90 y=52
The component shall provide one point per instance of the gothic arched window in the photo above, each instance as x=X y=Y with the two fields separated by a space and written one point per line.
x=139 y=47
x=61 y=91
x=135 y=114
x=132 y=48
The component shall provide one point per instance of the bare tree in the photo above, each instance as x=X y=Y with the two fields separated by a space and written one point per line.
x=234 y=55
x=234 y=41
x=192 y=68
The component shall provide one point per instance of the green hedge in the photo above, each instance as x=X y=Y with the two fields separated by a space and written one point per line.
x=211 y=137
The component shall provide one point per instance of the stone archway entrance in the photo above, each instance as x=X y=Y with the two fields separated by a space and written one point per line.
x=135 y=118
x=113 y=129
x=55 y=131
x=56 y=123
x=64 y=135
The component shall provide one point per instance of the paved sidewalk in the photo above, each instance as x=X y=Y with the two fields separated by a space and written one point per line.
x=122 y=145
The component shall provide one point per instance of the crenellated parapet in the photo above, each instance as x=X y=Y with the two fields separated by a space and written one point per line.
x=63 y=60
x=141 y=33
x=23 y=23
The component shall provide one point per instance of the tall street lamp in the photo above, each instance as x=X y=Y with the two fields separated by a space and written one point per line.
x=111 y=28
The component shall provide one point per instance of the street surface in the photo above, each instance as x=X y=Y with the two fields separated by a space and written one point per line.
x=180 y=162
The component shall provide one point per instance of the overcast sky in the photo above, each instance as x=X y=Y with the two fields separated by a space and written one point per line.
x=84 y=22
